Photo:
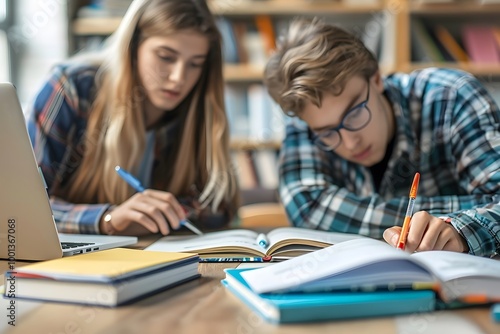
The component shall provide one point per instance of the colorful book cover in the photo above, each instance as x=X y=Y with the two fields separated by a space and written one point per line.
x=424 y=49
x=309 y=307
x=480 y=44
x=450 y=44
x=265 y=27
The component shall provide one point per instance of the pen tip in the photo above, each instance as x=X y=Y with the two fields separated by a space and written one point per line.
x=117 y=168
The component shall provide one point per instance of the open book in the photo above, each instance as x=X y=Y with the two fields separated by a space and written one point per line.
x=369 y=264
x=281 y=243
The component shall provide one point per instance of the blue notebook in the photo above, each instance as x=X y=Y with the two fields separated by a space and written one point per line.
x=309 y=307
x=495 y=312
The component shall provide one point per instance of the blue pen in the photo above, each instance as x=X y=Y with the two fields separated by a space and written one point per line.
x=130 y=179
x=136 y=184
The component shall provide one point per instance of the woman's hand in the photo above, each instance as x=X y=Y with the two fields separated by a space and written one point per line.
x=428 y=233
x=151 y=211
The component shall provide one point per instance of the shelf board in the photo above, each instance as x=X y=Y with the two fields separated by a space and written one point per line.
x=84 y=26
x=251 y=144
x=243 y=72
x=254 y=73
x=289 y=7
x=476 y=69
x=454 y=8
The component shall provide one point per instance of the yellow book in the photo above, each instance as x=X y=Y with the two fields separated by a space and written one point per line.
x=105 y=265
x=108 y=278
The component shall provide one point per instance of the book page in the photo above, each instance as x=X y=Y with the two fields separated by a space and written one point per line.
x=235 y=242
x=290 y=236
x=452 y=265
x=463 y=275
x=336 y=259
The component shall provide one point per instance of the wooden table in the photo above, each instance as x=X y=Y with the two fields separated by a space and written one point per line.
x=204 y=306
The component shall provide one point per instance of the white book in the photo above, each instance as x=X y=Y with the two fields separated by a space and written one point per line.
x=260 y=127
x=235 y=99
x=266 y=163
x=277 y=119
x=363 y=264
x=281 y=243
x=387 y=58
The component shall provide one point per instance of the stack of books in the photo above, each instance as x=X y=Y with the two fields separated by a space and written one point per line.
x=106 y=278
x=364 y=278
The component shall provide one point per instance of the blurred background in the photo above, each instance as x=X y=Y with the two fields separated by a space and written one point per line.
x=404 y=34
x=33 y=37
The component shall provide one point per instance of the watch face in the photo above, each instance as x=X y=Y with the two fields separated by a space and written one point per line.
x=107 y=218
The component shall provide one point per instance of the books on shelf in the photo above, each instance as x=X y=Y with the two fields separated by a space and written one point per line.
x=265 y=28
x=496 y=35
x=369 y=264
x=245 y=169
x=266 y=120
x=229 y=40
x=266 y=165
x=480 y=43
x=281 y=243
x=252 y=114
x=106 y=278
x=450 y=44
x=104 y=8
x=308 y=307
x=423 y=45
x=256 y=168
x=247 y=42
x=235 y=99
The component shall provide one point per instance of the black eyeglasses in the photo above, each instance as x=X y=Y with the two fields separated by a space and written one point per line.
x=355 y=119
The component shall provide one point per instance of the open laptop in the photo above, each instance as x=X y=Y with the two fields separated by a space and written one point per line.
x=27 y=227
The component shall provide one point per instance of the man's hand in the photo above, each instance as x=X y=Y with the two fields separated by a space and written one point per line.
x=428 y=233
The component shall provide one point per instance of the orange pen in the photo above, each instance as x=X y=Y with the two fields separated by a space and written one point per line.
x=409 y=212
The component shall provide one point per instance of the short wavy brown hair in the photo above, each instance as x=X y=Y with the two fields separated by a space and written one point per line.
x=314 y=57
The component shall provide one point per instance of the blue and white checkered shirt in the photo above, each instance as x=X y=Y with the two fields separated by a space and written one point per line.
x=448 y=129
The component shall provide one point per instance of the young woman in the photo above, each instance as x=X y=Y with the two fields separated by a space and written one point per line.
x=151 y=102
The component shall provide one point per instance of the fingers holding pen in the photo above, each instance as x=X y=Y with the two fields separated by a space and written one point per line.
x=417 y=228
x=428 y=232
x=157 y=211
x=419 y=225
x=168 y=205
x=138 y=209
x=153 y=209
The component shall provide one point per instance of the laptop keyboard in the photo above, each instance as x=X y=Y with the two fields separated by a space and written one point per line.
x=69 y=245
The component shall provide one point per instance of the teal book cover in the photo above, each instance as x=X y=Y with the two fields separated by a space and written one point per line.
x=310 y=307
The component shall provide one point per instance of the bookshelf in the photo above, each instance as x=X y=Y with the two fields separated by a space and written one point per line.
x=393 y=19
x=454 y=17
x=403 y=11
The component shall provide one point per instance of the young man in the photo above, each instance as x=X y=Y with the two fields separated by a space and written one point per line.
x=351 y=152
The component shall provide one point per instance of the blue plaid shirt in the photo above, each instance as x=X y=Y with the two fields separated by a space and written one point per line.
x=448 y=129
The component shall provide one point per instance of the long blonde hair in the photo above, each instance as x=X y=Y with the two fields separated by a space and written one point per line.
x=116 y=132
